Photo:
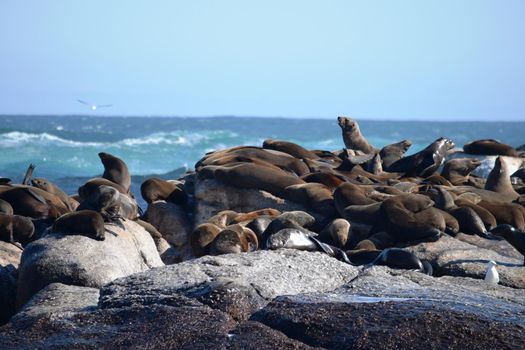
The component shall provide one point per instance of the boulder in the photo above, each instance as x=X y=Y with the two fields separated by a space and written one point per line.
x=9 y=260
x=212 y=196
x=82 y=261
x=452 y=257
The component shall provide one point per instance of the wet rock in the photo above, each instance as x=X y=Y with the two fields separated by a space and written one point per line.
x=212 y=197
x=452 y=257
x=82 y=261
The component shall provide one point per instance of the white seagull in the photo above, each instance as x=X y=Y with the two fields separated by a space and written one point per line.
x=492 y=275
x=93 y=106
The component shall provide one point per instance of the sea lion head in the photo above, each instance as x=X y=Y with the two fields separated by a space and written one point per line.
x=347 y=124
x=41 y=183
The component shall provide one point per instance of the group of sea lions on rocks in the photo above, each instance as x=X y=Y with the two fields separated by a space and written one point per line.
x=359 y=204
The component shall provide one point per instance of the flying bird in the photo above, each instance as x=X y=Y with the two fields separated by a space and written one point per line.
x=93 y=106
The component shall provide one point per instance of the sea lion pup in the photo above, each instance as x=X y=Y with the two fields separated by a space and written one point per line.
x=392 y=153
x=234 y=239
x=16 y=229
x=328 y=179
x=154 y=189
x=48 y=186
x=26 y=201
x=5 y=207
x=516 y=238
x=425 y=162
x=315 y=196
x=352 y=135
x=457 y=170
x=489 y=147
x=115 y=170
x=276 y=158
x=87 y=223
x=336 y=232
x=411 y=217
x=255 y=177
x=289 y=147
x=499 y=180
x=202 y=236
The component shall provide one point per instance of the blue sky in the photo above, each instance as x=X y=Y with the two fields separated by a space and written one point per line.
x=438 y=60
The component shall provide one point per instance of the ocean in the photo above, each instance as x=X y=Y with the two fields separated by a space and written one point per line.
x=64 y=148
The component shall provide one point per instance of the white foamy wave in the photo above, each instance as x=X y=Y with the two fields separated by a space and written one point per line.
x=17 y=138
x=180 y=138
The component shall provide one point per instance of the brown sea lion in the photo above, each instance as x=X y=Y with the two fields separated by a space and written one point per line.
x=328 y=179
x=111 y=204
x=28 y=202
x=457 y=170
x=245 y=218
x=350 y=194
x=489 y=147
x=375 y=165
x=425 y=162
x=352 y=137
x=87 y=223
x=16 y=229
x=6 y=208
x=392 y=153
x=223 y=218
x=202 y=236
x=48 y=186
x=499 y=180
x=234 y=239
x=486 y=216
x=506 y=213
x=315 y=196
x=289 y=147
x=255 y=177
x=154 y=189
x=115 y=170
x=336 y=232
x=91 y=185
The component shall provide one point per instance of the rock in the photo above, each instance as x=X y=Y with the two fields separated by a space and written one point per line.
x=452 y=257
x=168 y=254
x=212 y=196
x=269 y=273
x=9 y=260
x=501 y=247
x=82 y=261
x=172 y=221
x=386 y=309
x=487 y=162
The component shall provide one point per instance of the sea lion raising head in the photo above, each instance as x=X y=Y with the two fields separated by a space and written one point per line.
x=352 y=135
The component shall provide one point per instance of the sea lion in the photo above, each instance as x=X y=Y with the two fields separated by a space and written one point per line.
x=26 y=201
x=489 y=147
x=375 y=165
x=223 y=218
x=425 y=162
x=255 y=177
x=506 y=213
x=291 y=238
x=154 y=189
x=520 y=174
x=259 y=225
x=16 y=229
x=112 y=204
x=366 y=213
x=289 y=147
x=499 y=180
x=352 y=137
x=87 y=223
x=330 y=180
x=91 y=185
x=392 y=153
x=336 y=232
x=411 y=217
x=234 y=239
x=245 y=218
x=48 y=186
x=515 y=237
x=202 y=236
x=315 y=196
x=486 y=216
x=397 y=258
x=457 y=170
x=115 y=170
x=6 y=208
x=365 y=244
x=350 y=194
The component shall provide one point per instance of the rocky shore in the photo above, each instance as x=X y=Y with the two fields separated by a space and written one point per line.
x=274 y=247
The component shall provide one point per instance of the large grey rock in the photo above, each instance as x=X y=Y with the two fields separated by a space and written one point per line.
x=387 y=309
x=82 y=261
x=268 y=273
x=212 y=196
x=453 y=257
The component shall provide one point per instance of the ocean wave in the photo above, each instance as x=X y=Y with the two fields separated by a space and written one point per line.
x=178 y=138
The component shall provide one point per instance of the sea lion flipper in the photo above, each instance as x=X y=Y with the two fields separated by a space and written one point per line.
x=35 y=195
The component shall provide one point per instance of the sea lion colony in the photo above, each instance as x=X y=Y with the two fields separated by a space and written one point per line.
x=361 y=204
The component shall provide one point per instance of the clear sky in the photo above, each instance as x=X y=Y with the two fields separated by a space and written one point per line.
x=444 y=60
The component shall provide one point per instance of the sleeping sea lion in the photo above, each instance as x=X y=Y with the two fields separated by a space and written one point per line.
x=48 y=186
x=87 y=223
x=457 y=170
x=489 y=147
x=16 y=229
x=289 y=147
x=154 y=189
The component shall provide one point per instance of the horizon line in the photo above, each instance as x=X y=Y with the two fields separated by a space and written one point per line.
x=410 y=119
